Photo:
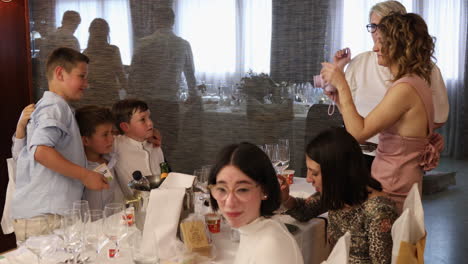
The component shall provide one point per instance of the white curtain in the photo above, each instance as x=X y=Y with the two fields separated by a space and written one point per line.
x=115 y=12
x=228 y=37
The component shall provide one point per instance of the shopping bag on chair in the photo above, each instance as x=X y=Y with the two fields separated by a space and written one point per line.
x=408 y=231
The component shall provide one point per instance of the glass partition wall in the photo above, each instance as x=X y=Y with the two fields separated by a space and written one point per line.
x=212 y=72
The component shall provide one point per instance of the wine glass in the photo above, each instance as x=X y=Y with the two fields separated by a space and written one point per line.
x=73 y=232
x=38 y=243
x=93 y=231
x=283 y=155
x=114 y=224
x=83 y=207
x=272 y=151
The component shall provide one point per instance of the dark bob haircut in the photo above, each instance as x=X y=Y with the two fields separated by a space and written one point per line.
x=345 y=175
x=254 y=163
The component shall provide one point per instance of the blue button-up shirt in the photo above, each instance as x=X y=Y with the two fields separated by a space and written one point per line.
x=40 y=190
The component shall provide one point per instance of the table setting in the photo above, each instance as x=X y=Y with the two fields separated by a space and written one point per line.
x=111 y=236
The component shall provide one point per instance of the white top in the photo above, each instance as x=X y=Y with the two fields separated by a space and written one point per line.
x=267 y=241
x=369 y=82
x=134 y=155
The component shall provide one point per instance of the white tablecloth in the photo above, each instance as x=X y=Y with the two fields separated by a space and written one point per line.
x=311 y=238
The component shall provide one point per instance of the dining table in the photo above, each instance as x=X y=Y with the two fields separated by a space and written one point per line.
x=310 y=237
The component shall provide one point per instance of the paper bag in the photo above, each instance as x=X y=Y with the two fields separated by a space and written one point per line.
x=408 y=232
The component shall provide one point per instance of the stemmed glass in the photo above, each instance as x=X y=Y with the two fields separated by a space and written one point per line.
x=283 y=155
x=272 y=151
x=83 y=207
x=93 y=231
x=115 y=224
x=73 y=232
x=40 y=244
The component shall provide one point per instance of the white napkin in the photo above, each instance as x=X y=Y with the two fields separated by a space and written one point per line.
x=409 y=226
x=340 y=252
x=177 y=180
x=163 y=214
x=7 y=222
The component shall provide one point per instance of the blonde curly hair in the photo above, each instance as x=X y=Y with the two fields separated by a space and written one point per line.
x=407 y=43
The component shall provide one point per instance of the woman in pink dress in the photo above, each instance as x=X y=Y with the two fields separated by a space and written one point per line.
x=405 y=116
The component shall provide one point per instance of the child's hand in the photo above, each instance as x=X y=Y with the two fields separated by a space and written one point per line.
x=24 y=119
x=156 y=138
x=95 y=181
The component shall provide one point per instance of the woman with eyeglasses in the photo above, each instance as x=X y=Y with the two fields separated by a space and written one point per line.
x=369 y=81
x=405 y=116
x=353 y=199
x=245 y=189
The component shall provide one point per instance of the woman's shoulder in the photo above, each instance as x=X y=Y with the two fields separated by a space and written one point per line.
x=379 y=206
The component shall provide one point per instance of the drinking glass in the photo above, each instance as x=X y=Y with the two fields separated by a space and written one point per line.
x=83 y=207
x=41 y=246
x=283 y=155
x=115 y=224
x=272 y=151
x=73 y=232
x=37 y=235
x=144 y=253
x=93 y=231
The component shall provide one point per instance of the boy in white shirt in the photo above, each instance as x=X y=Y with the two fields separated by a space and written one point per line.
x=135 y=152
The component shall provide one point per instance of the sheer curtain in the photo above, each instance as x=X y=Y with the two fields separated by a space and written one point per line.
x=115 y=12
x=228 y=37
x=447 y=21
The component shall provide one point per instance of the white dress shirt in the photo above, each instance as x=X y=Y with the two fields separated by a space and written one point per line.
x=135 y=155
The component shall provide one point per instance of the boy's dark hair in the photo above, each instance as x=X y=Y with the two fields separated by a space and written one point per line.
x=123 y=110
x=254 y=163
x=90 y=116
x=64 y=57
x=345 y=176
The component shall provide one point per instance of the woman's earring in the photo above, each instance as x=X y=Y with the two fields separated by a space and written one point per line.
x=265 y=197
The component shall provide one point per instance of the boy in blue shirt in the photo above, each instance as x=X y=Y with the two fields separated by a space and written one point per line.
x=51 y=168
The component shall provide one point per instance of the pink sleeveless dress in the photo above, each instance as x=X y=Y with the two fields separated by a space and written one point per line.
x=400 y=160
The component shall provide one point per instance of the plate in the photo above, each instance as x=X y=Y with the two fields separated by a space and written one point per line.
x=292 y=228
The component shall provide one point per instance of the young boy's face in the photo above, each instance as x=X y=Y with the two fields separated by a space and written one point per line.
x=101 y=141
x=74 y=82
x=140 y=127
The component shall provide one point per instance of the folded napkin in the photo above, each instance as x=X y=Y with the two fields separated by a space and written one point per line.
x=7 y=221
x=163 y=214
x=408 y=231
x=340 y=252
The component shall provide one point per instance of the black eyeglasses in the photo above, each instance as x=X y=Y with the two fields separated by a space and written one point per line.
x=372 y=27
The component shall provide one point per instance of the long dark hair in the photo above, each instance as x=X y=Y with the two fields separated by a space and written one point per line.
x=345 y=175
x=253 y=162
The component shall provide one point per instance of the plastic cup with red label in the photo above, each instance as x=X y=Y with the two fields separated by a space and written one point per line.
x=288 y=175
x=213 y=221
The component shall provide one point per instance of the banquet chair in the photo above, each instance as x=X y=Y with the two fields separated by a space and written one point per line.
x=408 y=231
x=7 y=221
